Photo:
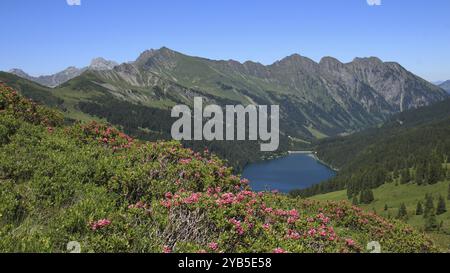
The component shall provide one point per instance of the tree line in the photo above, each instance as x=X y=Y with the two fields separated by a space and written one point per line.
x=417 y=154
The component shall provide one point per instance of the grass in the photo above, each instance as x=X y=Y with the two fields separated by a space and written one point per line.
x=316 y=133
x=394 y=195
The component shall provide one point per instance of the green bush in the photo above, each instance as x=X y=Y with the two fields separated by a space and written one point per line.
x=92 y=184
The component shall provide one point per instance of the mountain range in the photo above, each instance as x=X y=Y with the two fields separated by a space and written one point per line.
x=67 y=74
x=316 y=99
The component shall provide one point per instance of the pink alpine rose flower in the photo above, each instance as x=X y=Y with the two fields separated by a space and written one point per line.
x=167 y=249
x=279 y=250
x=100 y=224
x=213 y=246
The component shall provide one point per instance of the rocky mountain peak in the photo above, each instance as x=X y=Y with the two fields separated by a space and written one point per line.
x=296 y=62
x=297 y=58
x=146 y=55
x=151 y=55
x=330 y=63
x=70 y=69
x=102 y=64
x=163 y=58
x=368 y=61
x=19 y=72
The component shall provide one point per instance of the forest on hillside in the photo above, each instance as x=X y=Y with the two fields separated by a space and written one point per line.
x=412 y=147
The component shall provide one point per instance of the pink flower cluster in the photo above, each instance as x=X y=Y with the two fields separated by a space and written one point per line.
x=193 y=198
x=237 y=226
x=244 y=181
x=100 y=224
x=167 y=249
x=185 y=161
x=294 y=235
x=175 y=200
x=324 y=231
x=107 y=135
x=213 y=246
x=231 y=198
x=349 y=242
x=322 y=218
x=279 y=250
x=244 y=209
x=213 y=191
x=226 y=199
x=292 y=215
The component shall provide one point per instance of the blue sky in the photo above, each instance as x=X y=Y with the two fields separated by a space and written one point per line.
x=46 y=36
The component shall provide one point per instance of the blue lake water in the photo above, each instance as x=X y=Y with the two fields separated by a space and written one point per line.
x=295 y=171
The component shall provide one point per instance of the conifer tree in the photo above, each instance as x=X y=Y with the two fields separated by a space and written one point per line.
x=366 y=196
x=405 y=176
x=448 y=194
x=355 y=200
x=434 y=172
x=431 y=222
x=420 y=174
x=429 y=205
x=370 y=196
x=395 y=174
x=362 y=197
x=386 y=207
x=402 y=212
x=419 y=209
x=441 y=207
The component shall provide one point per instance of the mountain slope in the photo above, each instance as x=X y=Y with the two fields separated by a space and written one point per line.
x=415 y=139
x=32 y=90
x=445 y=85
x=413 y=147
x=393 y=165
x=409 y=122
x=92 y=184
x=67 y=74
x=83 y=100
x=327 y=97
x=389 y=197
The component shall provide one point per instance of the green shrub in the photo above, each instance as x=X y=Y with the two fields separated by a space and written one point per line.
x=93 y=184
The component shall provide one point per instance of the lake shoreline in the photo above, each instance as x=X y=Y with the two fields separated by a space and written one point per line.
x=316 y=157
x=295 y=170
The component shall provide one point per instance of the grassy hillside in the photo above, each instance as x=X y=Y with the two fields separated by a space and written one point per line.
x=93 y=184
x=84 y=99
x=394 y=164
x=32 y=90
x=393 y=195
x=65 y=99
